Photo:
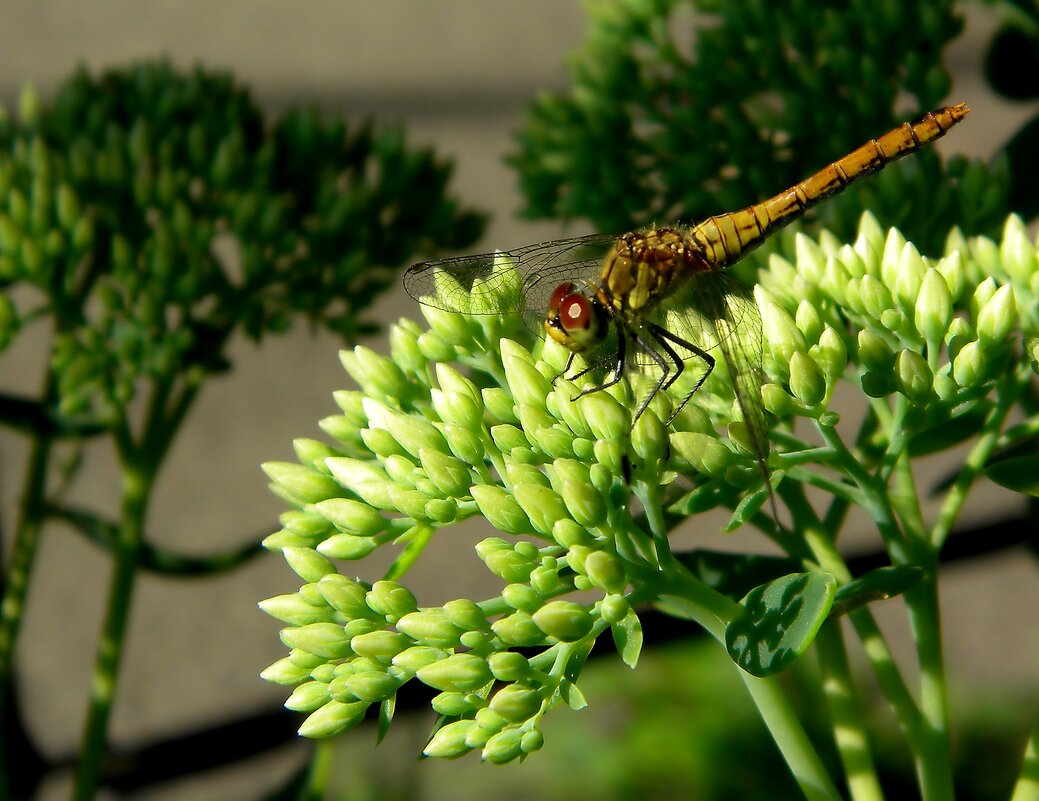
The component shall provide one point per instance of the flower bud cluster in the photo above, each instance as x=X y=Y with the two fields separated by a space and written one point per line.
x=936 y=331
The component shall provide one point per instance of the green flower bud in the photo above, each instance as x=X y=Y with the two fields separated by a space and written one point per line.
x=285 y=672
x=322 y=639
x=606 y=418
x=503 y=747
x=381 y=442
x=836 y=280
x=998 y=316
x=307 y=563
x=369 y=685
x=610 y=455
x=405 y=350
x=382 y=644
x=501 y=509
x=347 y=547
x=780 y=332
x=968 y=368
x=705 y=453
x=450 y=741
x=312 y=453
x=649 y=438
x=435 y=347
x=614 y=608
x=534 y=418
x=876 y=299
x=339 y=427
x=807 y=383
x=430 y=627
x=606 y=571
x=351 y=516
x=933 y=307
x=515 y=702
x=457 y=673
x=308 y=697
x=910 y=275
x=894 y=244
x=464 y=443
x=508 y=666
x=777 y=401
x=508 y=437
x=450 y=475
x=465 y=614
x=1017 y=252
x=874 y=352
x=332 y=719
x=914 y=376
x=532 y=741
x=830 y=354
x=564 y=620
x=561 y=405
x=952 y=270
x=457 y=408
x=294 y=610
x=584 y=503
x=528 y=386
x=541 y=505
x=413 y=432
x=500 y=404
x=360 y=625
x=344 y=595
x=522 y=597
x=811 y=261
x=518 y=629
x=391 y=599
x=569 y=533
x=302 y=484
x=453 y=705
x=410 y=660
x=982 y=294
x=807 y=319
x=378 y=376
x=410 y=503
x=554 y=442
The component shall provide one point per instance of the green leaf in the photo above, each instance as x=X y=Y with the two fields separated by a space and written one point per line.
x=1020 y=474
x=778 y=621
x=416 y=537
x=877 y=585
x=386 y=710
x=627 y=636
x=948 y=432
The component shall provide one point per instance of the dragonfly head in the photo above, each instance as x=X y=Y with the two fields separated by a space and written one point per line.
x=575 y=320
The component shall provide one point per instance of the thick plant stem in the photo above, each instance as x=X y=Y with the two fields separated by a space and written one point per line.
x=687 y=596
x=848 y=731
x=126 y=553
x=12 y=608
x=934 y=761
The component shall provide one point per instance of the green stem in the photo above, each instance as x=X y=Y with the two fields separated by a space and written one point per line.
x=23 y=554
x=1027 y=786
x=933 y=753
x=318 y=772
x=126 y=551
x=976 y=460
x=692 y=599
x=848 y=732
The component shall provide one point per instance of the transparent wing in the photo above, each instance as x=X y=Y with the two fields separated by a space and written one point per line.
x=508 y=281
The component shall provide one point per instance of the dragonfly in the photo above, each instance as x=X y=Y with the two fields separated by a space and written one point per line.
x=661 y=294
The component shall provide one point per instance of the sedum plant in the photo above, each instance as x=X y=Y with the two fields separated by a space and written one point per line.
x=147 y=216
x=465 y=420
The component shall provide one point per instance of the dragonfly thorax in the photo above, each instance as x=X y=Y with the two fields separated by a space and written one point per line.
x=644 y=267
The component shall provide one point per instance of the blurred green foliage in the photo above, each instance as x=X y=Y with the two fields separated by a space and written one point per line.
x=680 y=109
x=158 y=211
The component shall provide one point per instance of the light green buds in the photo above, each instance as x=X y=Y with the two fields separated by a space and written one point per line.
x=564 y=620
x=458 y=673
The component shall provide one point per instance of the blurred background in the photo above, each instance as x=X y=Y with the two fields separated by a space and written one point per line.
x=457 y=74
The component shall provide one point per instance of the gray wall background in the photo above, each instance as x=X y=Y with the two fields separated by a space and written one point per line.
x=457 y=72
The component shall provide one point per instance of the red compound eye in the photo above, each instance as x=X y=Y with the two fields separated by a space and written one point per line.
x=561 y=292
x=575 y=312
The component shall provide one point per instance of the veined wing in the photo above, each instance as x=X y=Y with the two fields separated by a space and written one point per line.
x=507 y=281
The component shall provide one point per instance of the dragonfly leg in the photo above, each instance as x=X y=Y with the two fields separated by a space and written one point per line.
x=665 y=370
x=618 y=368
x=663 y=336
x=566 y=369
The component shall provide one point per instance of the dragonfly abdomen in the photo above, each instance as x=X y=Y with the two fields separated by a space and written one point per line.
x=726 y=238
